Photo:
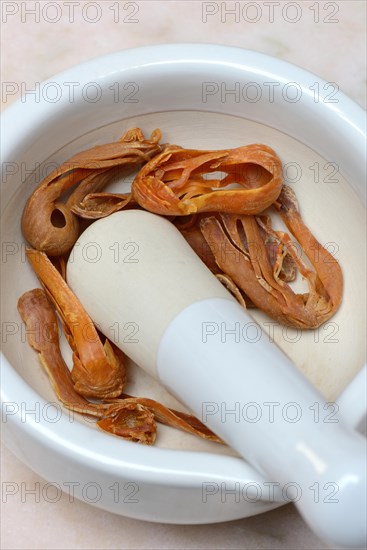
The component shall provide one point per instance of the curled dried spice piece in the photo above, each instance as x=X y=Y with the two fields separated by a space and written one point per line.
x=174 y=182
x=43 y=336
x=50 y=225
x=97 y=370
x=170 y=417
x=132 y=418
x=129 y=420
x=326 y=285
x=248 y=265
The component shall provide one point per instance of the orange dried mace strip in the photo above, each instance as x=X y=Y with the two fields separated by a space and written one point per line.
x=42 y=335
x=97 y=370
x=132 y=418
x=238 y=248
x=175 y=183
x=49 y=224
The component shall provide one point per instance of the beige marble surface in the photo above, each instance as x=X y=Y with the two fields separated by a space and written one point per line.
x=329 y=42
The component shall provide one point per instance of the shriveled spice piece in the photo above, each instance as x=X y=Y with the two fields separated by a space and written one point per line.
x=97 y=370
x=132 y=418
x=281 y=261
x=174 y=182
x=247 y=263
x=42 y=334
x=49 y=224
x=170 y=417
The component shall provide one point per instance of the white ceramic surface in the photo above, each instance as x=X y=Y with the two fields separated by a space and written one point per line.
x=73 y=447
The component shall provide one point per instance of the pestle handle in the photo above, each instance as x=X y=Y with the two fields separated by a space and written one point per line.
x=134 y=269
x=254 y=398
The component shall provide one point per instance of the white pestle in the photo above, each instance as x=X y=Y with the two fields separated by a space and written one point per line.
x=146 y=289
